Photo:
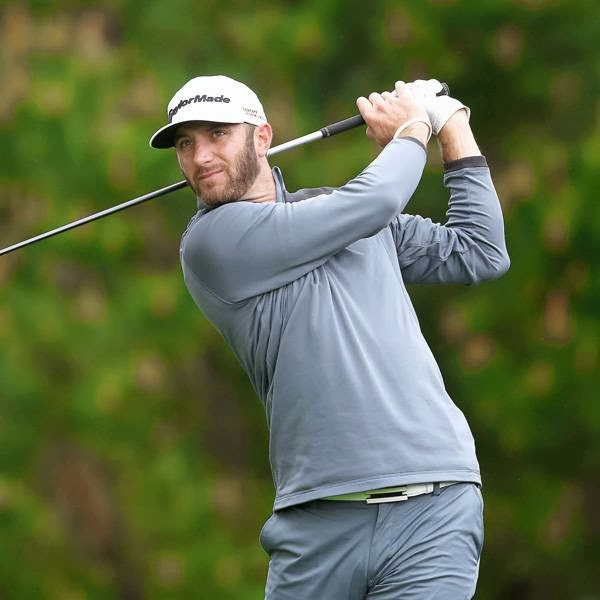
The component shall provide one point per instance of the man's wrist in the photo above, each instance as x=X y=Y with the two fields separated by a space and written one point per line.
x=456 y=138
x=418 y=128
x=458 y=120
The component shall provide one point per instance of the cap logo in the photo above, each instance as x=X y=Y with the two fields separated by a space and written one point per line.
x=194 y=99
x=251 y=112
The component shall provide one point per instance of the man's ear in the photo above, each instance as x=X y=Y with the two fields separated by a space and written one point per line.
x=263 y=135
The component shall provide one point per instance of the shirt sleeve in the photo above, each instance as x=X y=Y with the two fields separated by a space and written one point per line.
x=470 y=246
x=243 y=249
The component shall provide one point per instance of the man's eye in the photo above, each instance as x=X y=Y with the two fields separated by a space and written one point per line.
x=184 y=143
x=218 y=132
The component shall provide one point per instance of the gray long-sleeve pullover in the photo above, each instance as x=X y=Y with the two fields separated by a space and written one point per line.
x=309 y=293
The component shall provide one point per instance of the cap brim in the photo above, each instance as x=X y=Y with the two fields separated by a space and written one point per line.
x=164 y=137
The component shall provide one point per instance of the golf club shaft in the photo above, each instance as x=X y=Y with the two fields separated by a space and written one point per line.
x=327 y=131
x=324 y=132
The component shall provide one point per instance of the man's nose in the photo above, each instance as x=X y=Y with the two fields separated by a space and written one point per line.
x=203 y=153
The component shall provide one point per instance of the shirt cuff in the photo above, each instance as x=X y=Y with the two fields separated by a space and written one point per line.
x=415 y=140
x=464 y=163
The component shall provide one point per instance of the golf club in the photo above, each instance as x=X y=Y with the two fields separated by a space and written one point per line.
x=324 y=132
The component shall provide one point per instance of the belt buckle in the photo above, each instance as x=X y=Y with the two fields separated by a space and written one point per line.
x=397 y=496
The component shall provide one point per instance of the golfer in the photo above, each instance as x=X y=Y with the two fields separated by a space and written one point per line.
x=377 y=484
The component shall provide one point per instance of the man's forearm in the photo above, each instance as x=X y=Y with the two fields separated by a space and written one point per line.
x=456 y=139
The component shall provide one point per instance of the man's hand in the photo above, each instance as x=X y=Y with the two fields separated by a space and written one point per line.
x=439 y=108
x=394 y=114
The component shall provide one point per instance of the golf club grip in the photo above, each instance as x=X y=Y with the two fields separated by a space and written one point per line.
x=357 y=120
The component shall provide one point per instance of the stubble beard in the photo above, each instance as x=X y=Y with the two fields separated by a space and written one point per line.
x=241 y=173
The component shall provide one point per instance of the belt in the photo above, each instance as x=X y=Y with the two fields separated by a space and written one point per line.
x=393 y=494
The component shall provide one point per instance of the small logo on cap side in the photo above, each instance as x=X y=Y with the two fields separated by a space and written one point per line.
x=194 y=99
x=252 y=112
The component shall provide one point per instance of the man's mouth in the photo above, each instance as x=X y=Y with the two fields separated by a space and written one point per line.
x=208 y=175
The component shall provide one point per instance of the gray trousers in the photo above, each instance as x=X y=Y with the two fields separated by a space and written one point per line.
x=423 y=548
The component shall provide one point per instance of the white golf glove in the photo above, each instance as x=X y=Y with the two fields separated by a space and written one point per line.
x=439 y=108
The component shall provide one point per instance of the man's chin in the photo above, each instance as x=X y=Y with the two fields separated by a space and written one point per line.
x=214 y=200
x=210 y=196
x=218 y=197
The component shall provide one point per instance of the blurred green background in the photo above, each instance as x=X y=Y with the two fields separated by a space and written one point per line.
x=133 y=453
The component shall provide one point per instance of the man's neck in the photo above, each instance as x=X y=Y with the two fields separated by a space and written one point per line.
x=263 y=189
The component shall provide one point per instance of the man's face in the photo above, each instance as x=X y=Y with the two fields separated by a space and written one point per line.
x=218 y=160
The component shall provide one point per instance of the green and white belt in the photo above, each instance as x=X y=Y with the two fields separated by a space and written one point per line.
x=393 y=494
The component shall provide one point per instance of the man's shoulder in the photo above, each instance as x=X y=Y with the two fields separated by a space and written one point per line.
x=306 y=193
x=213 y=215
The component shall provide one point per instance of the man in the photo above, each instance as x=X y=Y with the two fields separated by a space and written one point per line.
x=375 y=473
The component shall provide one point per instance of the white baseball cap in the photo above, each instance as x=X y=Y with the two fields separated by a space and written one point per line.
x=213 y=98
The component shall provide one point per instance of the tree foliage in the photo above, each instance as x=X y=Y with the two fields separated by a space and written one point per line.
x=132 y=450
